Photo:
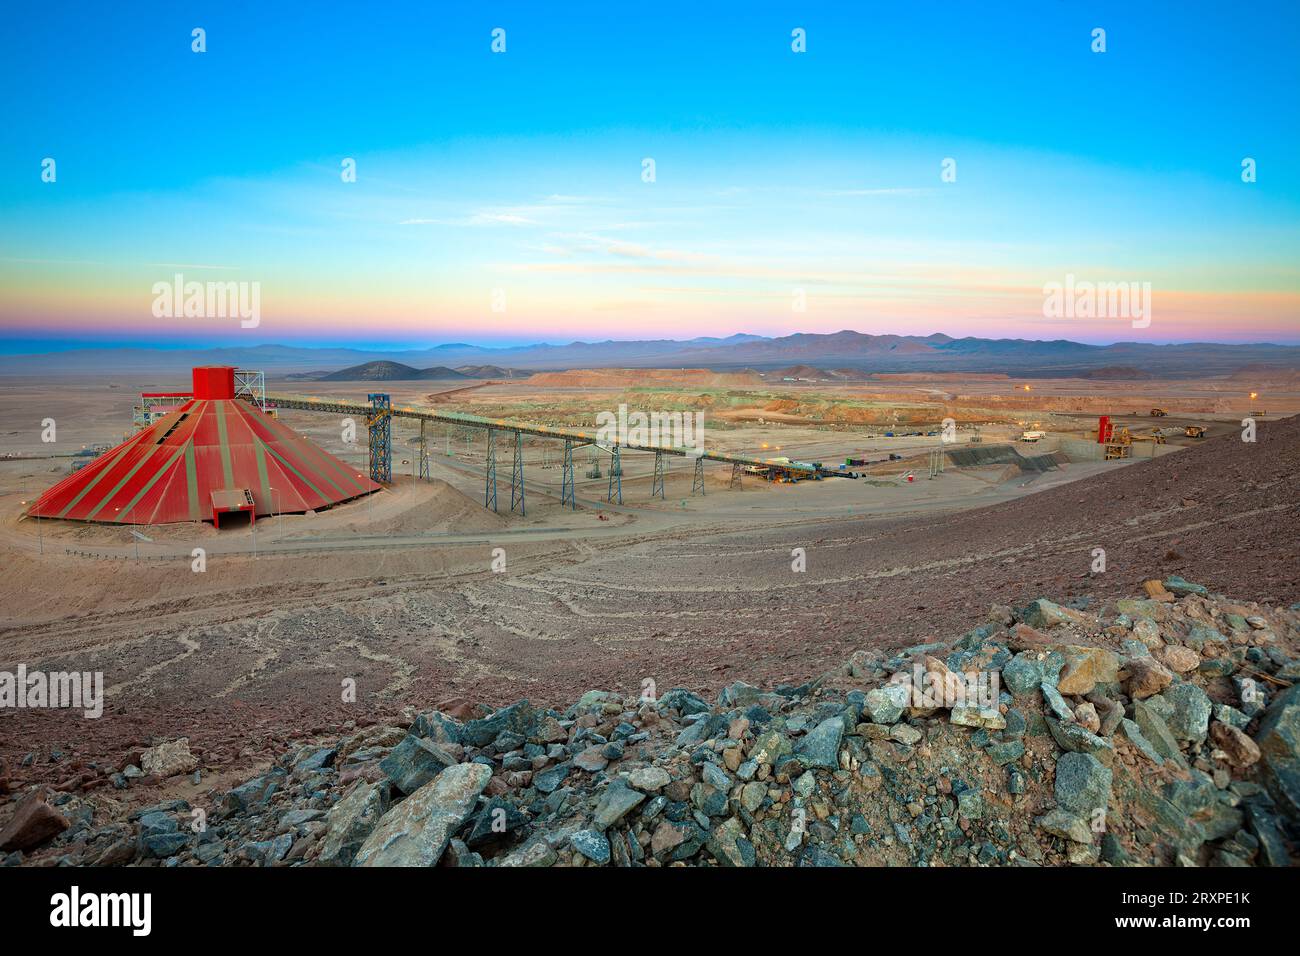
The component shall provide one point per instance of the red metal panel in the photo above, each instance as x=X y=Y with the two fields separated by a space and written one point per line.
x=1104 y=429
x=214 y=382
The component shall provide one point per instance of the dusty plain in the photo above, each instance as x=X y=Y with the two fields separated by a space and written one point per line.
x=396 y=591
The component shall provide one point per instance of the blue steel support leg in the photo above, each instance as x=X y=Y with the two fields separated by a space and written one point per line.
x=566 y=479
x=517 y=476
x=615 y=479
x=424 y=452
x=490 y=477
x=380 y=434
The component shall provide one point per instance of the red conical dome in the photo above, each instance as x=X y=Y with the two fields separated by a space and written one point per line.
x=198 y=459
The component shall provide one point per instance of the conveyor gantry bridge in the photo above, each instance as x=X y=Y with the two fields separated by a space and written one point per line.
x=379 y=413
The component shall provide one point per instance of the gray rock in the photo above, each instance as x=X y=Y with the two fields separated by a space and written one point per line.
x=1022 y=675
x=591 y=760
x=1155 y=730
x=548 y=780
x=268 y=852
x=1190 y=719
x=162 y=845
x=1068 y=826
x=255 y=792
x=752 y=796
x=518 y=718
x=821 y=748
x=497 y=818
x=1278 y=738
x=1056 y=702
x=615 y=803
x=1075 y=737
x=438 y=727
x=886 y=704
x=416 y=831
x=649 y=779
x=350 y=821
x=715 y=776
x=593 y=844
x=1082 y=783
x=296 y=818
x=414 y=762
x=905 y=734
x=683 y=701
x=729 y=843
x=1133 y=733
x=532 y=854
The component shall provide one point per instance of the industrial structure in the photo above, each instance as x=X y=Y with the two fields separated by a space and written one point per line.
x=220 y=448
x=379 y=413
x=217 y=452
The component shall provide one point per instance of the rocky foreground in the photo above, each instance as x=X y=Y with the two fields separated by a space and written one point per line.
x=1155 y=731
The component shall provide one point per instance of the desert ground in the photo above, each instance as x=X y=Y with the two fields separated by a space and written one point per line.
x=397 y=592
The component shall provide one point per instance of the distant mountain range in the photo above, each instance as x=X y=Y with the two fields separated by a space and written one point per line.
x=846 y=353
x=385 y=371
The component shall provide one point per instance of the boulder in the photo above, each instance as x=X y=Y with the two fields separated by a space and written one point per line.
x=414 y=762
x=1043 y=613
x=1066 y=825
x=350 y=821
x=1190 y=718
x=729 y=843
x=437 y=727
x=168 y=759
x=34 y=822
x=416 y=831
x=649 y=779
x=614 y=804
x=1082 y=784
x=821 y=747
x=1241 y=750
x=1181 y=660
x=1147 y=677
x=886 y=704
x=1278 y=738
x=519 y=718
x=593 y=844
x=1085 y=667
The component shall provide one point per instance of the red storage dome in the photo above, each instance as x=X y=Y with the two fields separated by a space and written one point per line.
x=176 y=469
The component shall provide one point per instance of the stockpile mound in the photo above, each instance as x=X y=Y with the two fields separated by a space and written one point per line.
x=1161 y=730
x=1005 y=455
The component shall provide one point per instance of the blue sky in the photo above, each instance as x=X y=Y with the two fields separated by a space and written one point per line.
x=774 y=170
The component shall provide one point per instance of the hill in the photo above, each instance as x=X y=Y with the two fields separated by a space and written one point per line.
x=390 y=372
